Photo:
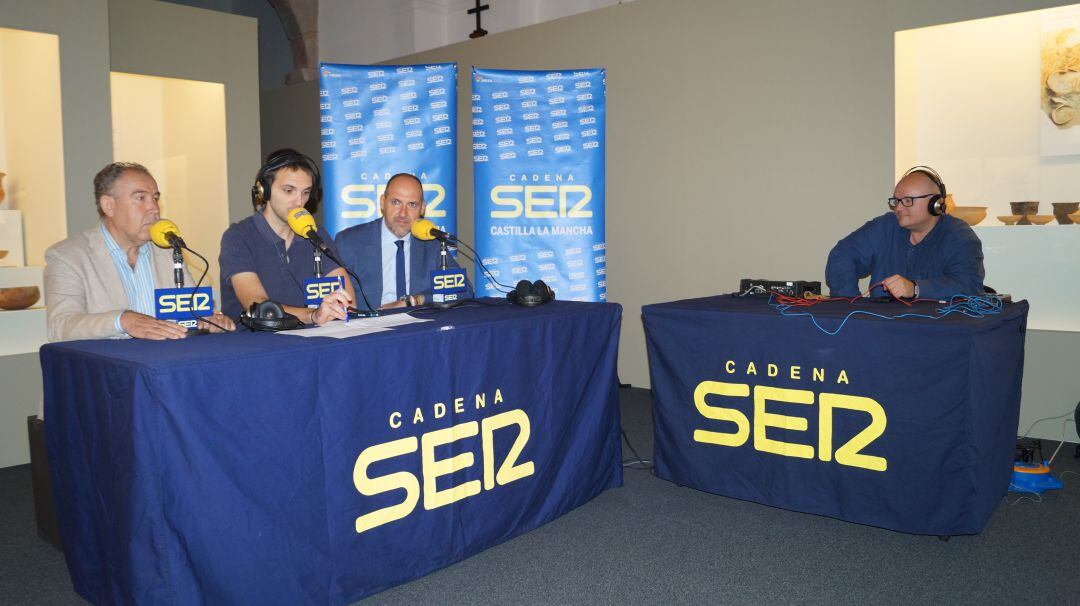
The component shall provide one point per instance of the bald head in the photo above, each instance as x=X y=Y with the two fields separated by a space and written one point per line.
x=919 y=181
x=922 y=191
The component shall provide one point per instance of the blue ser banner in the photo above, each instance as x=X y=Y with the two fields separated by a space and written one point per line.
x=380 y=120
x=538 y=162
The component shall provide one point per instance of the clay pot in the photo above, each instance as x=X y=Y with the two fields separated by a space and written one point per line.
x=19 y=297
x=1009 y=219
x=1024 y=208
x=1040 y=219
x=971 y=215
x=1062 y=211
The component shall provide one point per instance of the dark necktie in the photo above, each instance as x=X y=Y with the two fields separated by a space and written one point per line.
x=400 y=268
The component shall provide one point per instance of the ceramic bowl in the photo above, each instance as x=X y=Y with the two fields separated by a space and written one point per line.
x=19 y=297
x=1063 y=209
x=1009 y=219
x=1040 y=219
x=971 y=215
x=1025 y=208
x=3 y=253
x=1075 y=217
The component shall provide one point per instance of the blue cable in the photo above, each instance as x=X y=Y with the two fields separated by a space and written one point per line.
x=972 y=306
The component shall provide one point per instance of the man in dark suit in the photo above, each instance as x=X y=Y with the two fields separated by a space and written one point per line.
x=394 y=267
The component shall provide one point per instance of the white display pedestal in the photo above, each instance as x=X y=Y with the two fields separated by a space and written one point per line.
x=22 y=330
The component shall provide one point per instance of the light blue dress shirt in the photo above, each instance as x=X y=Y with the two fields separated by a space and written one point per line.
x=138 y=282
x=389 y=264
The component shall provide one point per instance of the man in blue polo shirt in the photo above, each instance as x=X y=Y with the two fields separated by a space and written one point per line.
x=914 y=251
x=262 y=259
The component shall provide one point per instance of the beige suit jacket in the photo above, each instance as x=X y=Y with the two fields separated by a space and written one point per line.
x=83 y=291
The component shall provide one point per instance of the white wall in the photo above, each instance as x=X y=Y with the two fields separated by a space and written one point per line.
x=82 y=28
x=32 y=138
x=177 y=129
x=376 y=30
x=172 y=41
x=967 y=103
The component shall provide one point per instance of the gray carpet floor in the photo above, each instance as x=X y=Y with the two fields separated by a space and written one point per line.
x=651 y=542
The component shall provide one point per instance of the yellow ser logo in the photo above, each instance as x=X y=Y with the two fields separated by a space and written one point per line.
x=541 y=201
x=508 y=470
x=850 y=453
x=449 y=281
x=362 y=200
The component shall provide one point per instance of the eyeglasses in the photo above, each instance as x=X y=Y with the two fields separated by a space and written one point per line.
x=907 y=201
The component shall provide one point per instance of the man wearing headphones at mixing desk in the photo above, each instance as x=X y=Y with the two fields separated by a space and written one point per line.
x=913 y=251
x=263 y=259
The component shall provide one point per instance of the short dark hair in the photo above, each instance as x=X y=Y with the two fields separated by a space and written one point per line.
x=289 y=158
x=407 y=176
x=106 y=178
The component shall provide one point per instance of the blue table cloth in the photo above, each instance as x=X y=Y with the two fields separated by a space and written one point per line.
x=267 y=469
x=906 y=424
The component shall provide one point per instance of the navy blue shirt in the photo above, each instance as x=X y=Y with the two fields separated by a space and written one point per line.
x=250 y=245
x=947 y=262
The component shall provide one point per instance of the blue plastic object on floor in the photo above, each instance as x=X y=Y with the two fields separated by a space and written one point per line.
x=1029 y=477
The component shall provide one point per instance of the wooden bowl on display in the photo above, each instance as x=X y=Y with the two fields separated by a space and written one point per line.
x=971 y=215
x=1040 y=219
x=1063 y=209
x=1075 y=217
x=1025 y=208
x=19 y=297
x=1009 y=219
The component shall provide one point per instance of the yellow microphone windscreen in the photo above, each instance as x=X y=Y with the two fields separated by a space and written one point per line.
x=159 y=229
x=301 y=221
x=421 y=229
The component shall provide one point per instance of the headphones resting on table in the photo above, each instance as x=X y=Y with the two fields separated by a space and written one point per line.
x=531 y=294
x=269 y=316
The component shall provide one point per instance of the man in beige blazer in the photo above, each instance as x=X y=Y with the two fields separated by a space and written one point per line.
x=92 y=277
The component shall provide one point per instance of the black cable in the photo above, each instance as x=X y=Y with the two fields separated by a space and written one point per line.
x=326 y=251
x=487 y=272
x=195 y=316
x=637 y=462
x=460 y=303
x=288 y=272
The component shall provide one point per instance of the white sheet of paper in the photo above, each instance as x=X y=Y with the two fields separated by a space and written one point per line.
x=356 y=326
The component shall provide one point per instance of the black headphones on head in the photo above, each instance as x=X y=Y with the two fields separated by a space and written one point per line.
x=531 y=294
x=936 y=206
x=284 y=158
x=269 y=316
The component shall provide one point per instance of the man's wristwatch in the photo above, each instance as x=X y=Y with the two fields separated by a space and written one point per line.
x=916 y=286
x=408 y=300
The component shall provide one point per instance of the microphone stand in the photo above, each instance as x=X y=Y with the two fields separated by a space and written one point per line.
x=320 y=250
x=442 y=255
x=178 y=265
